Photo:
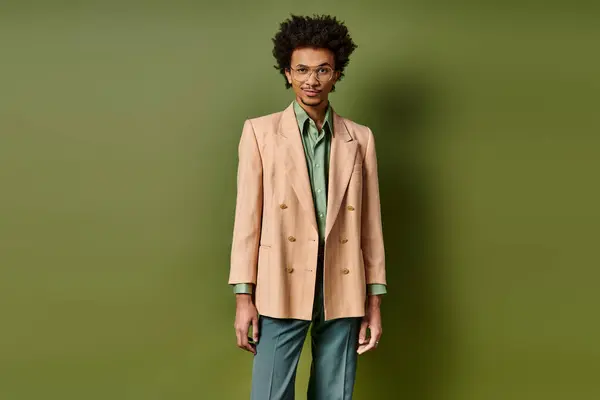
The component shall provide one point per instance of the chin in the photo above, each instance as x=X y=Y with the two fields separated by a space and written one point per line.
x=312 y=100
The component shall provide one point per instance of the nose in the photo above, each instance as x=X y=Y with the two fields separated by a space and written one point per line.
x=312 y=79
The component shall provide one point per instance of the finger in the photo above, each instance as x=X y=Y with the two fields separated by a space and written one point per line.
x=238 y=338
x=371 y=345
x=362 y=336
x=250 y=348
x=375 y=336
x=366 y=347
x=255 y=329
x=243 y=338
x=244 y=342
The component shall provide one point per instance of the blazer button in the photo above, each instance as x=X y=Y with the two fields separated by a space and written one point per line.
x=344 y=241
x=283 y=206
x=290 y=269
x=345 y=271
x=350 y=208
x=292 y=239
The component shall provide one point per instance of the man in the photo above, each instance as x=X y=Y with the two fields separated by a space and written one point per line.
x=307 y=240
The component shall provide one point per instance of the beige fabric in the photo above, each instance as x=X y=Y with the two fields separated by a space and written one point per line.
x=275 y=237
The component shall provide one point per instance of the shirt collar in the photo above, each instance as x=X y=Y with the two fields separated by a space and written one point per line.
x=302 y=117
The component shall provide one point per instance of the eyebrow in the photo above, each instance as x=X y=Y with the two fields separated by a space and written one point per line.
x=320 y=65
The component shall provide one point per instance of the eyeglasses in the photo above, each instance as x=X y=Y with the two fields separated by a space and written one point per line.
x=301 y=74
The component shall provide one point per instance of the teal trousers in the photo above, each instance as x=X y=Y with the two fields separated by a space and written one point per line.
x=334 y=357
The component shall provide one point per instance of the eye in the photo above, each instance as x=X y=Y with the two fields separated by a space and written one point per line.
x=301 y=69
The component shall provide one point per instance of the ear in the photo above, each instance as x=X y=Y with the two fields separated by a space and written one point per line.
x=288 y=75
x=336 y=76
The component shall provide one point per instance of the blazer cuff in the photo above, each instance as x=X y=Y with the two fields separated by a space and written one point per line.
x=246 y=288
x=376 y=288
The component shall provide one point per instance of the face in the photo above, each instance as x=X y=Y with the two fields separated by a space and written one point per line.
x=312 y=92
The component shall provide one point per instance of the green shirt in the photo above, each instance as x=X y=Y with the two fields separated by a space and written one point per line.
x=317 y=148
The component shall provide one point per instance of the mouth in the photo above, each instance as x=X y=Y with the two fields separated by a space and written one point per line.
x=311 y=93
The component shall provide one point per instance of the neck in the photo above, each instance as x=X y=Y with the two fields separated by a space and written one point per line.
x=316 y=112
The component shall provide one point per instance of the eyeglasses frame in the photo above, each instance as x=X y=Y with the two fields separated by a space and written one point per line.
x=312 y=69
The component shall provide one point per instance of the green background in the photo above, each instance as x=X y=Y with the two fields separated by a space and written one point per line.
x=119 y=124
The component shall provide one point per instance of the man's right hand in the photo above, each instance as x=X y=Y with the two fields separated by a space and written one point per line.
x=245 y=314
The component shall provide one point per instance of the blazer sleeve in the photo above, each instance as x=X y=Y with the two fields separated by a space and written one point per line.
x=248 y=209
x=371 y=228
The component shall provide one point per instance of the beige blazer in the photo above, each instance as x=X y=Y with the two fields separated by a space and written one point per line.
x=275 y=236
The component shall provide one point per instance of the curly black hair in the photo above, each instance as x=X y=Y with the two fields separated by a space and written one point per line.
x=320 y=31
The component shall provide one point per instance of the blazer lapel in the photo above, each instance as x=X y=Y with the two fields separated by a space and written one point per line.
x=341 y=163
x=292 y=148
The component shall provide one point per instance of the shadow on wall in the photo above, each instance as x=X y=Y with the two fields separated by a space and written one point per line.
x=415 y=345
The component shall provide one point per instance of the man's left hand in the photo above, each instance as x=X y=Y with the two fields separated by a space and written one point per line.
x=371 y=320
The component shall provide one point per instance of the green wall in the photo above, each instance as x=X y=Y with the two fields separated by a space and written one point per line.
x=119 y=124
